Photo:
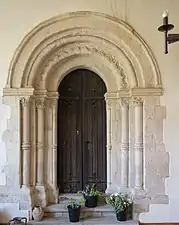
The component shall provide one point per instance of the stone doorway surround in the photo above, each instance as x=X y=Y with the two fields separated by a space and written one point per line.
x=136 y=155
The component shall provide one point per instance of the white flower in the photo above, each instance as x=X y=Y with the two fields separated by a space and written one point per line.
x=116 y=194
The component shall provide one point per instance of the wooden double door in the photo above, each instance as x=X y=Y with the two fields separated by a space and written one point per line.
x=81 y=132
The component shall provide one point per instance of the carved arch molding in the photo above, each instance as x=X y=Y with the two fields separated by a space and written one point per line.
x=117 y=53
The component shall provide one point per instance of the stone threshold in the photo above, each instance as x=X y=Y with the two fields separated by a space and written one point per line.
x=62 y=207
x=110 y=220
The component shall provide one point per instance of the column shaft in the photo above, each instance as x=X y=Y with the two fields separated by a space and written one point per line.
x=54 y=140
x=124 y=142
x=50 y=144
x=138 y=145
x=109 y=141
x=26 y=141
x=40 y=141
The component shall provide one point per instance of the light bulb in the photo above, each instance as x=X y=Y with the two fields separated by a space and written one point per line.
x=165 y=14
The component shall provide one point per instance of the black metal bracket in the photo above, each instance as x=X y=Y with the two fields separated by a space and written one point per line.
x=169 y=38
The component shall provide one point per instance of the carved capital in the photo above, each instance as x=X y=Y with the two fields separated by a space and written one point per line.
x=137 y=101
x=124 y=102
x=25 y=101
x=54 y=103
x=108 y=106
x=108 y=103
x=40 y=103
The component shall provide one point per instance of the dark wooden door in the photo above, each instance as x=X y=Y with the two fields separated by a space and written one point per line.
x=81 y=132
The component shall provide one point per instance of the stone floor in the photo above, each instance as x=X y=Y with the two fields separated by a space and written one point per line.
x=94 y=221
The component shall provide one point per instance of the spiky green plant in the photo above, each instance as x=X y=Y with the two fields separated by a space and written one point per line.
x=76 y=203
x=90 y=190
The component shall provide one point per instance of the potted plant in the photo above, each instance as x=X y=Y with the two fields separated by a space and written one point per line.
x=74 y=209
x=120 y=202
x=91 y=195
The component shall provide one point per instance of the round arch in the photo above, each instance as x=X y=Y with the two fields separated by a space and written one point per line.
x=57 y=40
x=113 y=50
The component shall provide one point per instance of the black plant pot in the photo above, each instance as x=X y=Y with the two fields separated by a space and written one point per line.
x=129 y=212
x=121 y=216
x=91 y=201
x=74 y=213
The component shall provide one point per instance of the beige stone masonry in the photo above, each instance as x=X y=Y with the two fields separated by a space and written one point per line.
x=135 y=148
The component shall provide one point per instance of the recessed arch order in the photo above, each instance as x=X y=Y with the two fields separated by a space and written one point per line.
x=109 y=47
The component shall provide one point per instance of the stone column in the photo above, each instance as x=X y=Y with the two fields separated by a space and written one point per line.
x=40 y=141
x=54 y=142
x=124 y=142
x=109 y=141
x=49 y=142
x=138 y=141
x=33 y=141
x=25 y=102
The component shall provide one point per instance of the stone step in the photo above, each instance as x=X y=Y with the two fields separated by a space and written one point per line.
x=65 y=198
x=60 y=210
x=110 y=220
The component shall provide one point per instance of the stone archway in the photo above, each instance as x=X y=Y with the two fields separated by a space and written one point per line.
x=128 y=68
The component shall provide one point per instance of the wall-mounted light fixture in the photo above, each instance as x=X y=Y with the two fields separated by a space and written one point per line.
x=169 y=38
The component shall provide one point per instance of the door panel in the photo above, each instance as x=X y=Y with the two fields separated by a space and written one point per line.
x=81 y=132
x=95 y=150
x=70 y=146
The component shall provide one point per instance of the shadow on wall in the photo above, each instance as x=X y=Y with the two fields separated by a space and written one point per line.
x=4 y=217
x=7 y=212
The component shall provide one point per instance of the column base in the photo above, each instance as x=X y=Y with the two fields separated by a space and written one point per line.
x=26 y=201
x=127 y=190
x=110 y=189
x=113 y=188
x=53 y=194
x=136 y=193
x=140 y=193
x=40 y=195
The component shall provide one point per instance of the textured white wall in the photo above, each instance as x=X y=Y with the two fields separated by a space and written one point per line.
x=19 y=17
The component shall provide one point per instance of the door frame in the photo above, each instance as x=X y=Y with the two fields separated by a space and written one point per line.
x=81 y=73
